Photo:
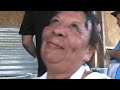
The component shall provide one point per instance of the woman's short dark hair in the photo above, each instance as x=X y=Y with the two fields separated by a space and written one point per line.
x=94 y=33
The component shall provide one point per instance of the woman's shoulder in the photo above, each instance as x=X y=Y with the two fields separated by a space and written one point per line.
x=97 y=75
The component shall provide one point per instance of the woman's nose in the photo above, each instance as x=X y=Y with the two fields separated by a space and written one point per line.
x=59 y=32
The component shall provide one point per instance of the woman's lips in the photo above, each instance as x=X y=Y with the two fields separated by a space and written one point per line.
x=56 y=45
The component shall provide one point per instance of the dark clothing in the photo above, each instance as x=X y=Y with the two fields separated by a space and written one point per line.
x=33 y=24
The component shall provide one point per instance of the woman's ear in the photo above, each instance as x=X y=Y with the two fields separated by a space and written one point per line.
x=90 y=52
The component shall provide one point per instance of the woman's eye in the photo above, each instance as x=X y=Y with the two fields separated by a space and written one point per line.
x=75 y=27
x=54 y=22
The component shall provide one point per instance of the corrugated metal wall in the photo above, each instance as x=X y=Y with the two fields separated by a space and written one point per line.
x=14 y=59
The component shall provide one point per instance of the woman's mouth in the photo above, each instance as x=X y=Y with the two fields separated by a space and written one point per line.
x=55 y=45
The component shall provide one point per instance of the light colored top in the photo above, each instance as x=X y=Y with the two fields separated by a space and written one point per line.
x=96 y=75
x=78 y=74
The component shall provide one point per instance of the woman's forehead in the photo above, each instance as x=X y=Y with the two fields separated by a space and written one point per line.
x=71 y=13
x=78 y=15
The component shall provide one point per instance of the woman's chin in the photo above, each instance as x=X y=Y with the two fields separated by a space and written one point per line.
x=53 y=59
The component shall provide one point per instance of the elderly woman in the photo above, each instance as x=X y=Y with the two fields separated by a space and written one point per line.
x=68 y=42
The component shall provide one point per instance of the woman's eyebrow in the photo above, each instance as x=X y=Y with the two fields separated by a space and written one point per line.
x=77 y=22
x=55 y=17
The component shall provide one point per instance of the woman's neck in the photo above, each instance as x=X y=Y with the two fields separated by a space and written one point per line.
x=58 y=76
x=65 y=74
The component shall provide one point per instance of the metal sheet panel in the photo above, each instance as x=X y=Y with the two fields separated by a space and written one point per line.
x=14 y=59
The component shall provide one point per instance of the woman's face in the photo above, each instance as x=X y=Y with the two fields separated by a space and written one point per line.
x=66 y=39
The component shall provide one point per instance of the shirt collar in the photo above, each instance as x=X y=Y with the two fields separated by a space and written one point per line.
x=77 y=75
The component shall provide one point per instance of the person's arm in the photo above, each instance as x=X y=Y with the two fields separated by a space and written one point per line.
x=112 y=53
x=27 y=32
x=28 y=44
